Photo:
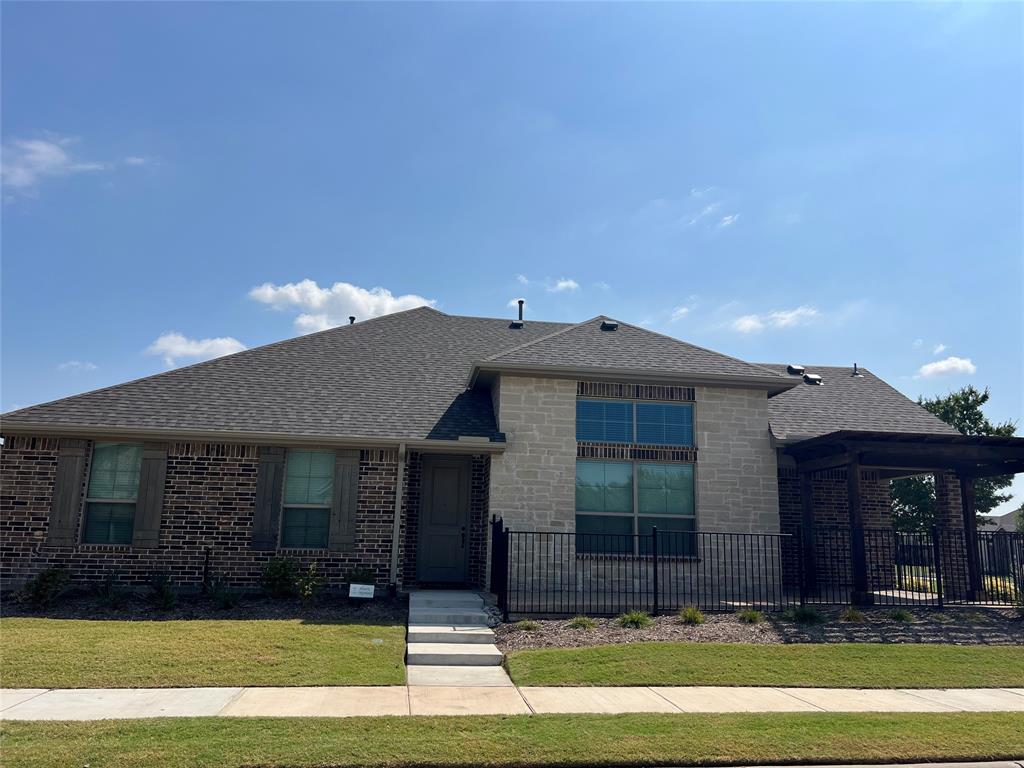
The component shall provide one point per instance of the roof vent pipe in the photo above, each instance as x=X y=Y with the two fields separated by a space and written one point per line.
x=351 y=319
x=857 y=372
x=521 y=302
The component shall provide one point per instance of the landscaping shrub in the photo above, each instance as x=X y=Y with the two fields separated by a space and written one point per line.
x=361 y=576
x=279 y=576
x=852 y=615
x=222 y=596
x=527 y=625
x=750 y=616
x=901 y=615
x=108 y=593
x=161 y=593
x=691 y=614
x=803 y=614
x=634 y=620
x=308 y=584
x=46 y=587
x=582 y=622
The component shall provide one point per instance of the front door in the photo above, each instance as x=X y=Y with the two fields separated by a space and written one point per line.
x=442 y=555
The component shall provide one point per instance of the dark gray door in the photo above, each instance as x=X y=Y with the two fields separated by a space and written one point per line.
x=442 y=554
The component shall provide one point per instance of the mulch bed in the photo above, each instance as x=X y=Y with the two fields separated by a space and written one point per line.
x=136 y=607
x=954 y=626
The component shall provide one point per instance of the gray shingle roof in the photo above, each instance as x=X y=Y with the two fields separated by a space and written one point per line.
x=629 y=347
x=846 y=402
x=398 y=376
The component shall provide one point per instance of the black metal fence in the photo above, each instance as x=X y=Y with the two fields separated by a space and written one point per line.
x=540 y=572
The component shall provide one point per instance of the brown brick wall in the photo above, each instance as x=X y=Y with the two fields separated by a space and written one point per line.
x=209 y=498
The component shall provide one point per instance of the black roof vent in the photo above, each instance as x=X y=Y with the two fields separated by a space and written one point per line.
x=795 y=370
x=856 y=372
x=516 y=324
x=609 y=325
x=813 y=379
x=351 y=319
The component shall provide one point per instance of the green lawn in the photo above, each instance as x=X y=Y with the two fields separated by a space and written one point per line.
x=851 y=665
x=563 y=740
x=62 y=653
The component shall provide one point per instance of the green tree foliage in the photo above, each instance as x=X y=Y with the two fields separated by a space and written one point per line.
x=913 y=498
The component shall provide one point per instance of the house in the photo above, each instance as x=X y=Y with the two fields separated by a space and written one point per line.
x=388 y=444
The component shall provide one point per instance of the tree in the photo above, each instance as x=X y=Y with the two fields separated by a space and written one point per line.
x=913 y=498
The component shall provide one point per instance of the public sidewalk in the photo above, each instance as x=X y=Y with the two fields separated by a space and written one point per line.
x=131 y=703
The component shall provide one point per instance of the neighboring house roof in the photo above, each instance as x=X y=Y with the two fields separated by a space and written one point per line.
x=1006 y=522
x=846 y=402
x=590 y=346
x=398 y=376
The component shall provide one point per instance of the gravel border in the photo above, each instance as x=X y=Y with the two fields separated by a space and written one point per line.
x=953 y=626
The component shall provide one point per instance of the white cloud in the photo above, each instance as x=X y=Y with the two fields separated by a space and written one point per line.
x=918 y=343
x=728 y=221
x=77 y=366
x=950 y=366
x=939 y=349
x=522 y=279
x=27 y=162
x=748 y=324
x=703 y=213
x=563 y=284
x=679 y=313
x=514 y=303
x=136 y=160
x=173 y=346
x=784 y=318
x=601 y=285
x=323 y=308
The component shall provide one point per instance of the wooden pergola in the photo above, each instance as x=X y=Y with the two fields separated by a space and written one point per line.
x=893 y=455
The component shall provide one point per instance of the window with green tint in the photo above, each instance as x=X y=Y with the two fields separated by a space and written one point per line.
x=308 y=494
x=305 y=527
x=604 y=486
x=664 y=489
x=604 y=533
x=113 y=488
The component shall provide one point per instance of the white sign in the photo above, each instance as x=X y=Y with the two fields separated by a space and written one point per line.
x=360 y=590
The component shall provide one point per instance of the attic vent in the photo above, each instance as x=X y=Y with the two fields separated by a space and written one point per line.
x=813 y=379
x=516 y=324
x=795 y=370
x=609 y=325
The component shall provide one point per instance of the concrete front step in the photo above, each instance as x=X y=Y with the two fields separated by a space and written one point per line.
x=450 y=617
x=464 y=634
x=453 y=654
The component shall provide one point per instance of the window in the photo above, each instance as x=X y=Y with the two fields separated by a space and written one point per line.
x=308 y=493
x=113 y=489
x=625 y=421
x=617 y=499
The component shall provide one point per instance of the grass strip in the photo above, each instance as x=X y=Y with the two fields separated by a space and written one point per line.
x=66 y=653
x=543 y=740
x=846 y=665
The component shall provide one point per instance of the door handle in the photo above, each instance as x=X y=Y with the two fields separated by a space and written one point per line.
x=462 y=537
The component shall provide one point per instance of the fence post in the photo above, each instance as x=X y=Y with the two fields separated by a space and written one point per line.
x=937 y=559
x=800 y=572
x=654 y=561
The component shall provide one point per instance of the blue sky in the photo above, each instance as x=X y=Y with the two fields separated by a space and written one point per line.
x=815 y=183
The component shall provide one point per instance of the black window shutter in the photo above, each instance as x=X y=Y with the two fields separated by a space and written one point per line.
x=149 y=506
x=269 y=482
x=342 y=534
x=67 y=493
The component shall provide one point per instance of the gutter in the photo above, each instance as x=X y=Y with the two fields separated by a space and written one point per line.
x=773 y=384
x=469 y=445
x=396 y=526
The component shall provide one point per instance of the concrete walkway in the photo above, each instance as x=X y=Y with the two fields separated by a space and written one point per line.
x=130 y=703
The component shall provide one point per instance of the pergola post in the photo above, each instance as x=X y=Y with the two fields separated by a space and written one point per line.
x=858 y=550
x=807 y=530
x=968 y=506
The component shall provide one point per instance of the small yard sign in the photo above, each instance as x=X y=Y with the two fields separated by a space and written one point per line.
x=360 y=590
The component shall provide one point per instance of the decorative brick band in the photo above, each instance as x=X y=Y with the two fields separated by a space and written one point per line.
x=634 y=452
x=635 y=391
x=28 y=443
x=791 y=473
x=209 y=450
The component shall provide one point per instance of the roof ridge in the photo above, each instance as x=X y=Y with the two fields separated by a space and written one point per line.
x=697 y=346
x=539 y=339
x=201 y=363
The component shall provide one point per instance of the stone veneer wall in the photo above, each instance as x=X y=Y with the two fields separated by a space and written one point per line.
x=737 y=477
